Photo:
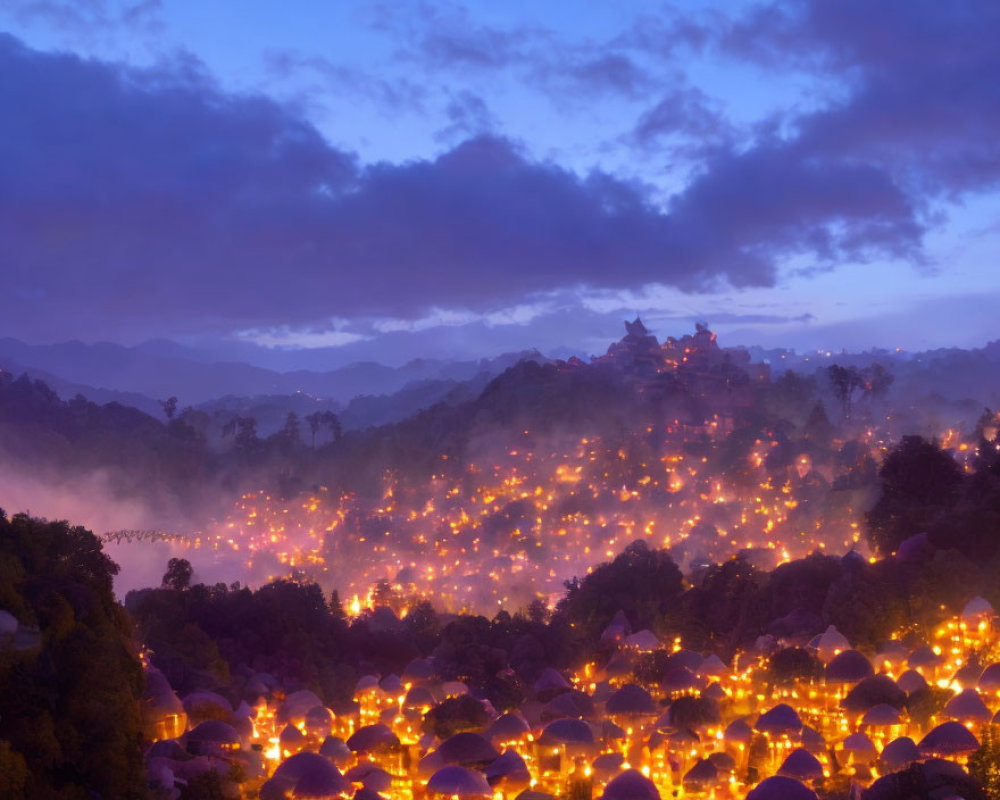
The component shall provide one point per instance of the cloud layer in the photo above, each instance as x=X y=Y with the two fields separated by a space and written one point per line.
x=138 y=201
x=137 y=197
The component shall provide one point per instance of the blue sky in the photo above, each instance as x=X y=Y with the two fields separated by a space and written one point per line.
x=462 y=179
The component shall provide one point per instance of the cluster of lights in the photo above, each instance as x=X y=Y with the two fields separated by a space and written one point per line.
x=848 y=745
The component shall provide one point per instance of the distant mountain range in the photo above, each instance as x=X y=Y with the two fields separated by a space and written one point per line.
x=142 y=376
x=962 y=378
x=416 y=417
x=369 y=394
x=161 y=369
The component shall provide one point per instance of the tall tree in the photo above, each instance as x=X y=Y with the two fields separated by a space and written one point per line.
x=178 y=574
x=875 y=381
x=71 y=703
x=169 y=407
x=843 y=381
x=319 y=419
x=919 y=483
x=315 y=420
x=641 y=582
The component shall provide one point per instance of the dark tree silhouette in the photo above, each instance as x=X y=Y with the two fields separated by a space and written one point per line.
x=725 y=604
x=337 y=607
x=71 y=703
x=290 y=431
x=843 y=382
x=178 y=574
x=318 y=419
x=641 y=582
x=244 y=430
x=984 y=764
x=332 y=421
x=454 y=715
x=818 y=428
x=920 y=482
x=875 y=382
x=314 y=421
x=169 y=407
x=288 y=440
x=792 y=664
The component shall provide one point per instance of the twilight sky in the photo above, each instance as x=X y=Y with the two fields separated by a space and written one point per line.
x=455 y=179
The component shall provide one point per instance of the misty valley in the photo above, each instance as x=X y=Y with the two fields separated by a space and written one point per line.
x=676 y=569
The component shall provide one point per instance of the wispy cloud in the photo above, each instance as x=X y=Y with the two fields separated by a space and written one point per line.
x=323 y=78
x=468 y=116
x=83 y=18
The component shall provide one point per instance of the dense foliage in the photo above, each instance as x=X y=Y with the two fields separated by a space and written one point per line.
x=924 y=491
x=215 y=637
x=70 y=726
x=641 y=582
x=192 y=460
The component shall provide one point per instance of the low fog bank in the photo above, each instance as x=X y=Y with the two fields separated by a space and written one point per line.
x=143 y=564
x=90 y=500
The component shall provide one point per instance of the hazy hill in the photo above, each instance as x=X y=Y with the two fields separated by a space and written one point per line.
x=162 y=369
x=124 y=369
x=206 y=450
x=69 y=389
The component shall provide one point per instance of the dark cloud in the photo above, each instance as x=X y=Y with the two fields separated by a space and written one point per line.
x=119 y=187
x=151 y=201
x=139 y=199
x=612 y=72
x=685 y=111
x=922 y=100
x=468 y=116
x=462 y=45
x=774 y=198
x=865 y=176
x=574 y=76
